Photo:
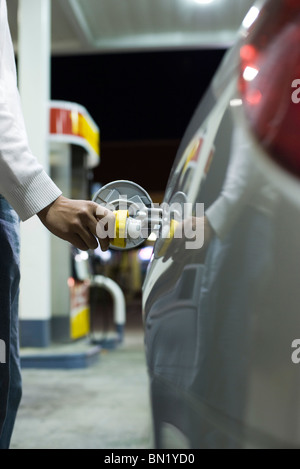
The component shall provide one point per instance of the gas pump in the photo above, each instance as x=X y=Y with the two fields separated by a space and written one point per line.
x=74 y=144
x=74 y=151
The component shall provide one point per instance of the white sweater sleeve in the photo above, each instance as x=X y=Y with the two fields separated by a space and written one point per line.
x=23 y=181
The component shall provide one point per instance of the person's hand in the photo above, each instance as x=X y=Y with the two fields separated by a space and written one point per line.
x=79 y=222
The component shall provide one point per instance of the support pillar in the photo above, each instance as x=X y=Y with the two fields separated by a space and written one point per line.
x=34 y=53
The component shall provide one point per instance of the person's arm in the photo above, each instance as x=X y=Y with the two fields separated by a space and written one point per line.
x=76 y=221
x=23 y=181
x=30 y=191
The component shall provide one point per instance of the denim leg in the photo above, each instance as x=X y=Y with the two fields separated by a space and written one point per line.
x=10 y=374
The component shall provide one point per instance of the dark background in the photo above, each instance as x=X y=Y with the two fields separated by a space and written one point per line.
x=142 y=103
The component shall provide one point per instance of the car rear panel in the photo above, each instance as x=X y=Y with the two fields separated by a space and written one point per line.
x=220 y=319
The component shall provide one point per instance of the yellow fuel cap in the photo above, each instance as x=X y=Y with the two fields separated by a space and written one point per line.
x=119 y=240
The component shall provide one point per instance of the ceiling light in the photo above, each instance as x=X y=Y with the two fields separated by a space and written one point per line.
x=236 y=102
x=250 y=17
x=250 y=73
x=203 y=2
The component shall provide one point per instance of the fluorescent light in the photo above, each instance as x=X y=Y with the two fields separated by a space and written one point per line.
x=236 y=102
x=250 y=73
x=145 y=253
x=82 y=256
x=250 y=17
x=203 y=2
x=104 y=255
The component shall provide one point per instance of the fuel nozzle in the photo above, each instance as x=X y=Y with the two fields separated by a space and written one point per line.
x=136 y=217
x=137 y=227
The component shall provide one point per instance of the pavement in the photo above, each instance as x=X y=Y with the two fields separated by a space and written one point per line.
x=102 y=406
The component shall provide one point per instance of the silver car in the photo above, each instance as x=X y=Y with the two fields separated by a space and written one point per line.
x=221 y=299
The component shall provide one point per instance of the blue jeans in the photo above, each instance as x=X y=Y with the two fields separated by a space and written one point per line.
x=10 y=373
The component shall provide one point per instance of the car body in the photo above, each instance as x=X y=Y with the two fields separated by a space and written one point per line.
x=222 y=317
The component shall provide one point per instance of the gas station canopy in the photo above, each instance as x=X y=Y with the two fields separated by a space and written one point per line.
x=84 y=26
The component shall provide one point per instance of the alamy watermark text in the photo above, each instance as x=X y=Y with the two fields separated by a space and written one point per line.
x=2 y=352
x=296 y=93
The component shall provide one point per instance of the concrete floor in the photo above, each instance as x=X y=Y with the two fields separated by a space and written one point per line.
x=103 y=406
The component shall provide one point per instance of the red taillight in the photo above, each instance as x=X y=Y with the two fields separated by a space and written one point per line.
x=270 y=64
